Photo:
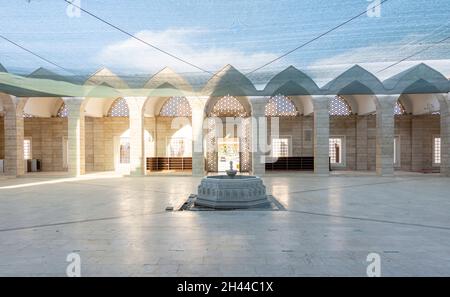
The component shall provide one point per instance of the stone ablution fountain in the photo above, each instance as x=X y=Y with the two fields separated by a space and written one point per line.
x=232 y=191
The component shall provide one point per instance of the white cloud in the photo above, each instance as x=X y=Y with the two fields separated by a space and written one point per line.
x=131 y=54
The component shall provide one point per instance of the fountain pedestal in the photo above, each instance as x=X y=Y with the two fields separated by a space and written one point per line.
x=232 y=192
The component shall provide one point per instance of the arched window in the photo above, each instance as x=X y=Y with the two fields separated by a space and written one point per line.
x=280 y=105
x=63 y=112
x=119 y=108
x=228 y=106
x=339 y=107
x=399 y=109
x=176 y=107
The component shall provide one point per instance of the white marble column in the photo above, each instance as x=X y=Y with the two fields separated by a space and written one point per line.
x=14 y=134
x=198 y=116
x=321 y=134
x=385 y=134
x=75 y=136
x=259 y=135
x=361 y=143
x=444 y=102
x=137 y=149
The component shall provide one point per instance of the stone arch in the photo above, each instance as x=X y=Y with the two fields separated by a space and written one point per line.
x=355 y=80
x=213 y=101
x=106 y=77
x=175 y=106
x=119 y=108
x=418 y=79
x=299 y=95
x=240 y=109
x=229 y=81
x=293 y=81
x=280 y=105
x=169 y=81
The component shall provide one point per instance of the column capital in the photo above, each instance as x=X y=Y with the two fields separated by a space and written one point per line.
x=258 y=104
x=197 y=102
x=386 y=101
x=135 y=103
x=321 y=101
x=74 y=106
x=443 y=97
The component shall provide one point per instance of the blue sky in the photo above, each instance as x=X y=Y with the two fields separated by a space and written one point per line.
x=212 y=33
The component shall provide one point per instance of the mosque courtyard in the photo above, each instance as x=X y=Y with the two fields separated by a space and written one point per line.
x=119 y=226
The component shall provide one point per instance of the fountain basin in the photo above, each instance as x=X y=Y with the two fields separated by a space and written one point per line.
x=225 y=192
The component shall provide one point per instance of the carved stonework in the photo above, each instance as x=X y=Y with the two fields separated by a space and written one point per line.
x=225 y=192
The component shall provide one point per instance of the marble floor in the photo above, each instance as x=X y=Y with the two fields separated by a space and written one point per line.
x=119 y=227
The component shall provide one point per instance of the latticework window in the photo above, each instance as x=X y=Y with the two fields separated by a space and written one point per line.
x=335 y=150
x=125 y=153
x=280 y=105
x=176 y=107
x=280 y=147
x=437 y=150
x=228 y=106
x=211 y=142
x=397 y=150
x=119 y=108
x=27 y=149
x=177 y=147
x=63 y=112
x=245 y=155
x=399 y=109
x=339 y=107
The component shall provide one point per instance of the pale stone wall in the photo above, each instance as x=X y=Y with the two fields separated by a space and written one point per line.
x=346 y=127
x=403 y=130
x=416 y=137
x=371 y=142
x=47 y=141
x=297 y=129
x=2 y=137
x=100 y=133
x=424 y=128
x=166 y=128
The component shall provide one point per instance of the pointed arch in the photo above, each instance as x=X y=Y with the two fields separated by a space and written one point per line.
x=119 y=108
x=106 y=77
x=228 y=106
x=339 y=107
x=399 y=108
x=294 y=82
x=176 y=106
x=417 y=80
x=355 y=81
x=63 y=111
x=229 y=81
x=167 y=79
x=280 y=105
